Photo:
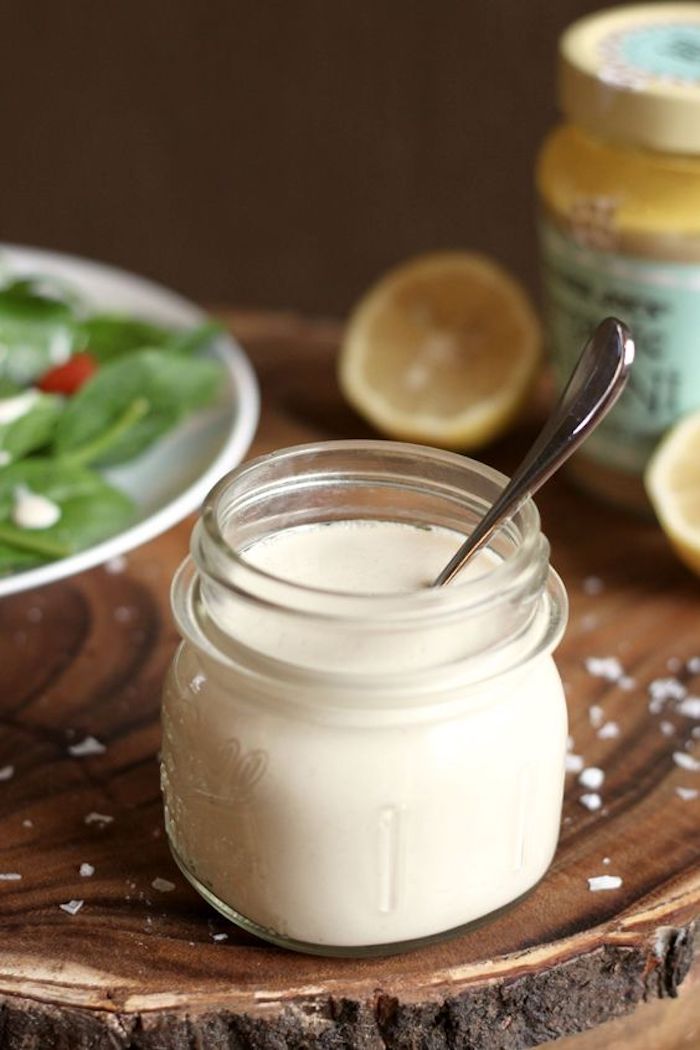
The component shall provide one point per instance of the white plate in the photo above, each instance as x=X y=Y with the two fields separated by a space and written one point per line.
x=170 y=480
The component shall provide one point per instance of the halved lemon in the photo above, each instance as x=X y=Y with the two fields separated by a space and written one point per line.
x=442 y=351
x=672 y=480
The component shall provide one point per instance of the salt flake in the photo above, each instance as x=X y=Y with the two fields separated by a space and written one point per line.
x=89 y=746
x=609 y=731
x=596 y=715
x=116 y=565
x=72 y=907
x=690 y=707
x=9 y=876
x=574 y=763
x=163 y=885
x=693 y=665
x=607 y=667
x=686 y=761
x=6 y=772
x=662 y=689
x=592 y=585
x=86 y=870
x=98 y=818
x=220 y=936
x=687 y=794
x=592 y=778
x=604 y=882
x=667 y=728
x=591 y=800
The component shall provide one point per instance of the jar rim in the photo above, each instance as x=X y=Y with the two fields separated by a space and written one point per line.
x=219 y=560
x=365 y=688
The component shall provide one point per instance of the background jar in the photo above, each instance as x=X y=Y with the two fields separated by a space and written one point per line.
x=354 y=774
x=619 y=190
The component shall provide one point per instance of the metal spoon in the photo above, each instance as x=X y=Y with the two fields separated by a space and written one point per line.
x=596 y=382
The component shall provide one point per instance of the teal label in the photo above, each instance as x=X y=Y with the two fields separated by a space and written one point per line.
x=660 y=302
x=666 y=51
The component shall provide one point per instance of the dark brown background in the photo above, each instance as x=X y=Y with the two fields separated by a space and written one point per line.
x=275 y=152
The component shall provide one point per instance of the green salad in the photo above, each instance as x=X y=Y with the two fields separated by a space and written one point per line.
x=78 y=392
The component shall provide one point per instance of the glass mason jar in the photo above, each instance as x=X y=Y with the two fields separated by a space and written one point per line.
x=619 y=190
x=355 y=774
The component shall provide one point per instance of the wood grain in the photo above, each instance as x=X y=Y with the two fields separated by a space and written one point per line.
x=136 y=967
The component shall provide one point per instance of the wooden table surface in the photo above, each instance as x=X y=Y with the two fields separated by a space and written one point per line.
x=137 y=967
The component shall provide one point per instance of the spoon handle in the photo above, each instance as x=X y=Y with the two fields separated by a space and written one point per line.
x=595 y=384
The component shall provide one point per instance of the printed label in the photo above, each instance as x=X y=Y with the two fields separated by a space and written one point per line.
x=660 y=302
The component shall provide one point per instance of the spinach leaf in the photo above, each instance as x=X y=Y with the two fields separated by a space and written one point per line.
x=32 y=430
x=90 y=511
x=52 y=288
x=34 y=329
x=12 y=559
x=132 y=402
x=107 y=336
x=192 y=340
x=8 y=388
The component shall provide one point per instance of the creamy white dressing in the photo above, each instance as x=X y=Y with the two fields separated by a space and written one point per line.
x=361 y=826
x=13 y=408
x=363 y=557
x=60 y=347
x=31 y=510
x=5 y=457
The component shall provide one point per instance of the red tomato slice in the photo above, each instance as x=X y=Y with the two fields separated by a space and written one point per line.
x=68 y=378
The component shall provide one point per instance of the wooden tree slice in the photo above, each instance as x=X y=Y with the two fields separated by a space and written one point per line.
x=142 y=966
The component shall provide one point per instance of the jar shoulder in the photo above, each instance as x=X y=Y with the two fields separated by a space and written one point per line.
x=534 y=686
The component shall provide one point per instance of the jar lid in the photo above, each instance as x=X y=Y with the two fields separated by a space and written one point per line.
x=632 y=74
